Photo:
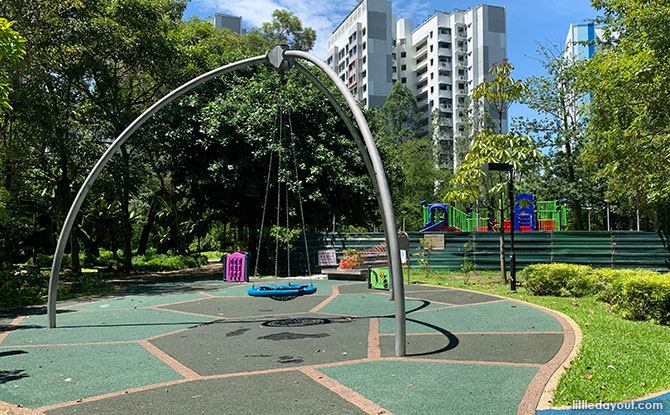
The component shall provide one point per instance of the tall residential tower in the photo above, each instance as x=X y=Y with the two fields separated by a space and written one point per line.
x=441 y=61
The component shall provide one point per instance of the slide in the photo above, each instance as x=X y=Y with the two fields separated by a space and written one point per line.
x=435 y=227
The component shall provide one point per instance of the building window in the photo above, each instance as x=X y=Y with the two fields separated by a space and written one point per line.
x=403 y=67
x=363 y=32
x=403 y=80
x=403 y=41
x=363 y=45
x=431 y=34
x=431 y=91
x=431 y=75
x=431 y=62
x=403 y=54
x=393 y=56
x=365 y=87
x=393 y=69
x=431 y=48
x=364 y=59
x=363 y=74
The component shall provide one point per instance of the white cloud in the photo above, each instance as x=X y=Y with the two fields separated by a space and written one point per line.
x=321 y=15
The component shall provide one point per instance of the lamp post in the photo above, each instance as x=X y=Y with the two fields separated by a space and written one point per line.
x=404 y=212
x=486 y=167
x=607 y=209
x=588 y=211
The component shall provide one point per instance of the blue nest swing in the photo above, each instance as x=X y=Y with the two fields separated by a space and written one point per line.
x=282 y=292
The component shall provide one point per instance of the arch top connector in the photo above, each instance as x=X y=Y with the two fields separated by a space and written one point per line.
x=278 y=60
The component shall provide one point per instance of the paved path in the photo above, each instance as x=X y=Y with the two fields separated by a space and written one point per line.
x=206 y=347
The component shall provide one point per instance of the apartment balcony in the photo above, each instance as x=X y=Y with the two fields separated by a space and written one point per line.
x=422 y=81
x=445 y=79
x=444 y=37
x=421 y=95
x=444 y=93
x=421 y=68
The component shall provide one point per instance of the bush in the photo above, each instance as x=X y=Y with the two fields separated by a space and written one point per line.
x=645 y=295
x=151 y=263
x=20 y=288
x=561 y=280
x=637 y=294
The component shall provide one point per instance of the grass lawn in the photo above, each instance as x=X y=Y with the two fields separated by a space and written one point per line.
x=618 y=359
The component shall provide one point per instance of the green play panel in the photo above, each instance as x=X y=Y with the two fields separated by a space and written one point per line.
x=50 y=375
x=502 y=316
x=290 y=393
x=372 y=304
x=104 y=326
x=437 y=388
x=256 y=344
x=230 y=307
x=517 y=348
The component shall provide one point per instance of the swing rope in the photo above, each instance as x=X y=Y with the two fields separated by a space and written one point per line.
x=299 y=191
x=290 y=291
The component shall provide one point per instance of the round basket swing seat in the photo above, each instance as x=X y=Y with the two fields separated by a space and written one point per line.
x=281 y=292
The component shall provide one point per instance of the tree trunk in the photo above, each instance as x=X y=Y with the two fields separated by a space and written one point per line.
x=126 y=227
x=575 y=206
x=146 y=229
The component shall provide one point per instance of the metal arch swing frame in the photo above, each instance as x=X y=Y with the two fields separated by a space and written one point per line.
x=281 y=58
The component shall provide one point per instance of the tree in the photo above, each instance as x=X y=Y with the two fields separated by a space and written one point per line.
x=629 y=125
x=487 y=147
x=11 y=53
x=556 y=97
x=401 y=115
x=286 y=28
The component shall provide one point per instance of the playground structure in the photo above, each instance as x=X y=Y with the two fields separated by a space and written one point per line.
x=283 y=59
x=529 y=215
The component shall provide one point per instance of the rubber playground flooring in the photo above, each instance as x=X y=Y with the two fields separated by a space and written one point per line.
x=206 y=347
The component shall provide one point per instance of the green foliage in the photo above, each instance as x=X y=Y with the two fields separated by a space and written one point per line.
x=562 y=280
x=20 y=288
x=401 y=115
x=637 y=294
x=500 y=90
x=645 y=296
x=286 y=28
x=163 y=262
x=629 y=125
x=11 y=53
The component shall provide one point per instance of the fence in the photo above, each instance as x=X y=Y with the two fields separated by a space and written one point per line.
x=619 y=249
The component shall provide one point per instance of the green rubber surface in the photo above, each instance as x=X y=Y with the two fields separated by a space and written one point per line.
x=372 y=303
x=290 y=393
x=452 y=296
x=239 y=346
x=45 y=376
x=437 y=388
x=135 y=301
x=248 y=306
x=502 y=316
x=103 y=326
x=518 y=348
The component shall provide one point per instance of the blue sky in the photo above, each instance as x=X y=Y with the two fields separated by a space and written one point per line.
x=528 y=21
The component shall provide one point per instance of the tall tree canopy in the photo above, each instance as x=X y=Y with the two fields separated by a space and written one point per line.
x=629 y=125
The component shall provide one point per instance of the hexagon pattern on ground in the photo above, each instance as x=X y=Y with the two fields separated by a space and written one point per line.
x=50 y=375
x=436 y=388
x=501 y=316
x=240 y=346
x=287 y=393
x=229 y=349
x=99 y=326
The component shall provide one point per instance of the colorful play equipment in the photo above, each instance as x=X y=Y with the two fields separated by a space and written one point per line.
x=379 y=278
x=235 y=267
x=529 y=215
x=281 y=292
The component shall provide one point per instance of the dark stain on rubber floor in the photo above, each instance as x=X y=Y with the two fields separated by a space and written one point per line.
x=292 y=336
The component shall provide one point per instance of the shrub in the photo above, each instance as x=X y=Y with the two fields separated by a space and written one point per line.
x=167 y=262
x=645 y=295
x=20 y=288
x=562 y=280
x=351 y=258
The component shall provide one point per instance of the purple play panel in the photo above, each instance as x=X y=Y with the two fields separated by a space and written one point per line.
x=236 y=267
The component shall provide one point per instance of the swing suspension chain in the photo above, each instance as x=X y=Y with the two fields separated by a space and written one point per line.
x=299 y=191
x=265 y=205
x=279 y=167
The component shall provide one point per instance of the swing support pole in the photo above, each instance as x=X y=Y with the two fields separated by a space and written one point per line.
x=278 y=58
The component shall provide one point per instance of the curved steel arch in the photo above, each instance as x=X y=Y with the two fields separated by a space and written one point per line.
x=371 y=157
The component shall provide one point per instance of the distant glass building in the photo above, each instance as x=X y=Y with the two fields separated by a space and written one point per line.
x=232 y=23
x=581 y=42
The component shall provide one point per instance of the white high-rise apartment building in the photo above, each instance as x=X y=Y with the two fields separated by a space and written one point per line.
x=444 y=59
x=359 y=51
x=441 y=61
